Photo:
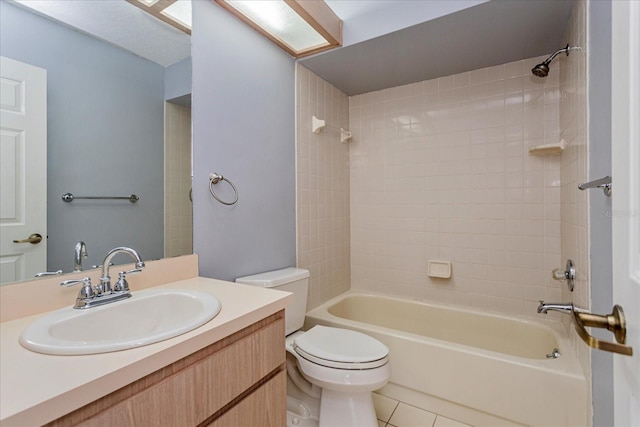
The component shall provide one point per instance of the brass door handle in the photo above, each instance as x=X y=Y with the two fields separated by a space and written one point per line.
x=614 y=322
x=34 y=239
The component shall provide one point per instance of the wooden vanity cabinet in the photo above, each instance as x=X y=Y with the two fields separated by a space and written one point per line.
x=237 y=381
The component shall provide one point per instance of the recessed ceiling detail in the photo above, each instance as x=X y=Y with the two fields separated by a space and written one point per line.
x=299 y=27
x=176 y=13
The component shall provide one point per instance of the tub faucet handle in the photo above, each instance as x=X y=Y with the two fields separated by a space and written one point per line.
x=568 y=274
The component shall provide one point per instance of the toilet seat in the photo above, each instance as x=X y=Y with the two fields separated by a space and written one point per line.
x=340 y=348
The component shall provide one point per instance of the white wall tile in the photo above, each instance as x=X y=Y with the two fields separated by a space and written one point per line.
x=440 y=169
x=571 y=102
x=323 y=186
x=473 y=167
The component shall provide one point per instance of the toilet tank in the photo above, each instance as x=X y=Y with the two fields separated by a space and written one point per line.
x=295 y=280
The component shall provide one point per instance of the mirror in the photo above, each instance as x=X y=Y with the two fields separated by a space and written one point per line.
x=108 y=121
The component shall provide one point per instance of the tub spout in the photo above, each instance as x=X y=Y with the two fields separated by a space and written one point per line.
x=566 y=308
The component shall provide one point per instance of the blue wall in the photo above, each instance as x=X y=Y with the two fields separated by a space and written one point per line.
x=243 y=128
x=177 y=80
x=105 y=137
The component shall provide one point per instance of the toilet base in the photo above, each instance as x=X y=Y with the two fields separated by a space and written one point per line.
x=347 y=409
x=303 y=410
x=297 y=419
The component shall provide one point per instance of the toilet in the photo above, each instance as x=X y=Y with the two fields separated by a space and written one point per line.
x=331 y=371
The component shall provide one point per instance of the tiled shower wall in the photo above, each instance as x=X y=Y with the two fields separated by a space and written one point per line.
x=574 y=166
x=440 y=170
x=322 y=189
x=178 y=223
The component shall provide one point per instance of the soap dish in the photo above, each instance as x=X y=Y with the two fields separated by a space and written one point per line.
x=439 y=269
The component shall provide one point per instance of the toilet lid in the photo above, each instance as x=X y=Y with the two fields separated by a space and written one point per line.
x=341 y=348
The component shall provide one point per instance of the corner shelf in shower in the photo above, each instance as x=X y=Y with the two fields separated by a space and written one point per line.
x=547 y=149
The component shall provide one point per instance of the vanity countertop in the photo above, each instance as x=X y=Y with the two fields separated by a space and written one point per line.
x=38 y=388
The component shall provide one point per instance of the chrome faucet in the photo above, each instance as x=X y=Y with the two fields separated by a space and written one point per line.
x=561 y=307
x=79 y=254
x=93 y=296
x=49 y=273
x=105 y=280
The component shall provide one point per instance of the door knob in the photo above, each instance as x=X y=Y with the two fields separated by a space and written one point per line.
x=34 y=239
x=614 y=322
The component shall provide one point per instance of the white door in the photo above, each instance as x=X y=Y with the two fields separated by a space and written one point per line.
x=23 y=169
x=626 y=203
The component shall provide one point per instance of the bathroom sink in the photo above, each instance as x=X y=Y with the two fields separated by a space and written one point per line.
x=147 y=317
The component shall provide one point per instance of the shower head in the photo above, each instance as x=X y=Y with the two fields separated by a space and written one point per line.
x=542 y=69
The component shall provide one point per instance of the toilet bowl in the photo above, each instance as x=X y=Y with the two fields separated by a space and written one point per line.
x=347 y=366
x=340 y=367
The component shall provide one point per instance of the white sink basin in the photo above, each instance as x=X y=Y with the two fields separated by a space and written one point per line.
x=147 y=317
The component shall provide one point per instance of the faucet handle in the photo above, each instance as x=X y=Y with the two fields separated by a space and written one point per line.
x=568 y=274
x=100 y=265
x=559 y=274
x=49 y=273
x=86 y=291
x=67 y=283
x=122 y=285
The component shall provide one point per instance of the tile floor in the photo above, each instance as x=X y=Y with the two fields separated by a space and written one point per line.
x=391 y=413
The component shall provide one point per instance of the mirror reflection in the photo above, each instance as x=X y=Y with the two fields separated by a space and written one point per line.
x=117 y=123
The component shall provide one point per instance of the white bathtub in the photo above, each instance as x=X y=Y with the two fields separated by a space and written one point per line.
x=491 y=364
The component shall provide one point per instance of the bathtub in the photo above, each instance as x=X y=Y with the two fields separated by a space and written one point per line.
x=476 y=362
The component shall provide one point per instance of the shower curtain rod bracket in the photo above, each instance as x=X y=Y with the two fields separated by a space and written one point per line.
x=317 y=125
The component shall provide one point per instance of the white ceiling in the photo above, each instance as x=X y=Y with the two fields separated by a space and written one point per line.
x=120 y=23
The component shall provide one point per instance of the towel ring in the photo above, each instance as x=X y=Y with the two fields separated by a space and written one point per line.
x=214 y=178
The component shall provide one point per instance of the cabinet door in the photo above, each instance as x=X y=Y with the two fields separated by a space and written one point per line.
x=195 y=390
x=192 y=395
x=265 y=407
